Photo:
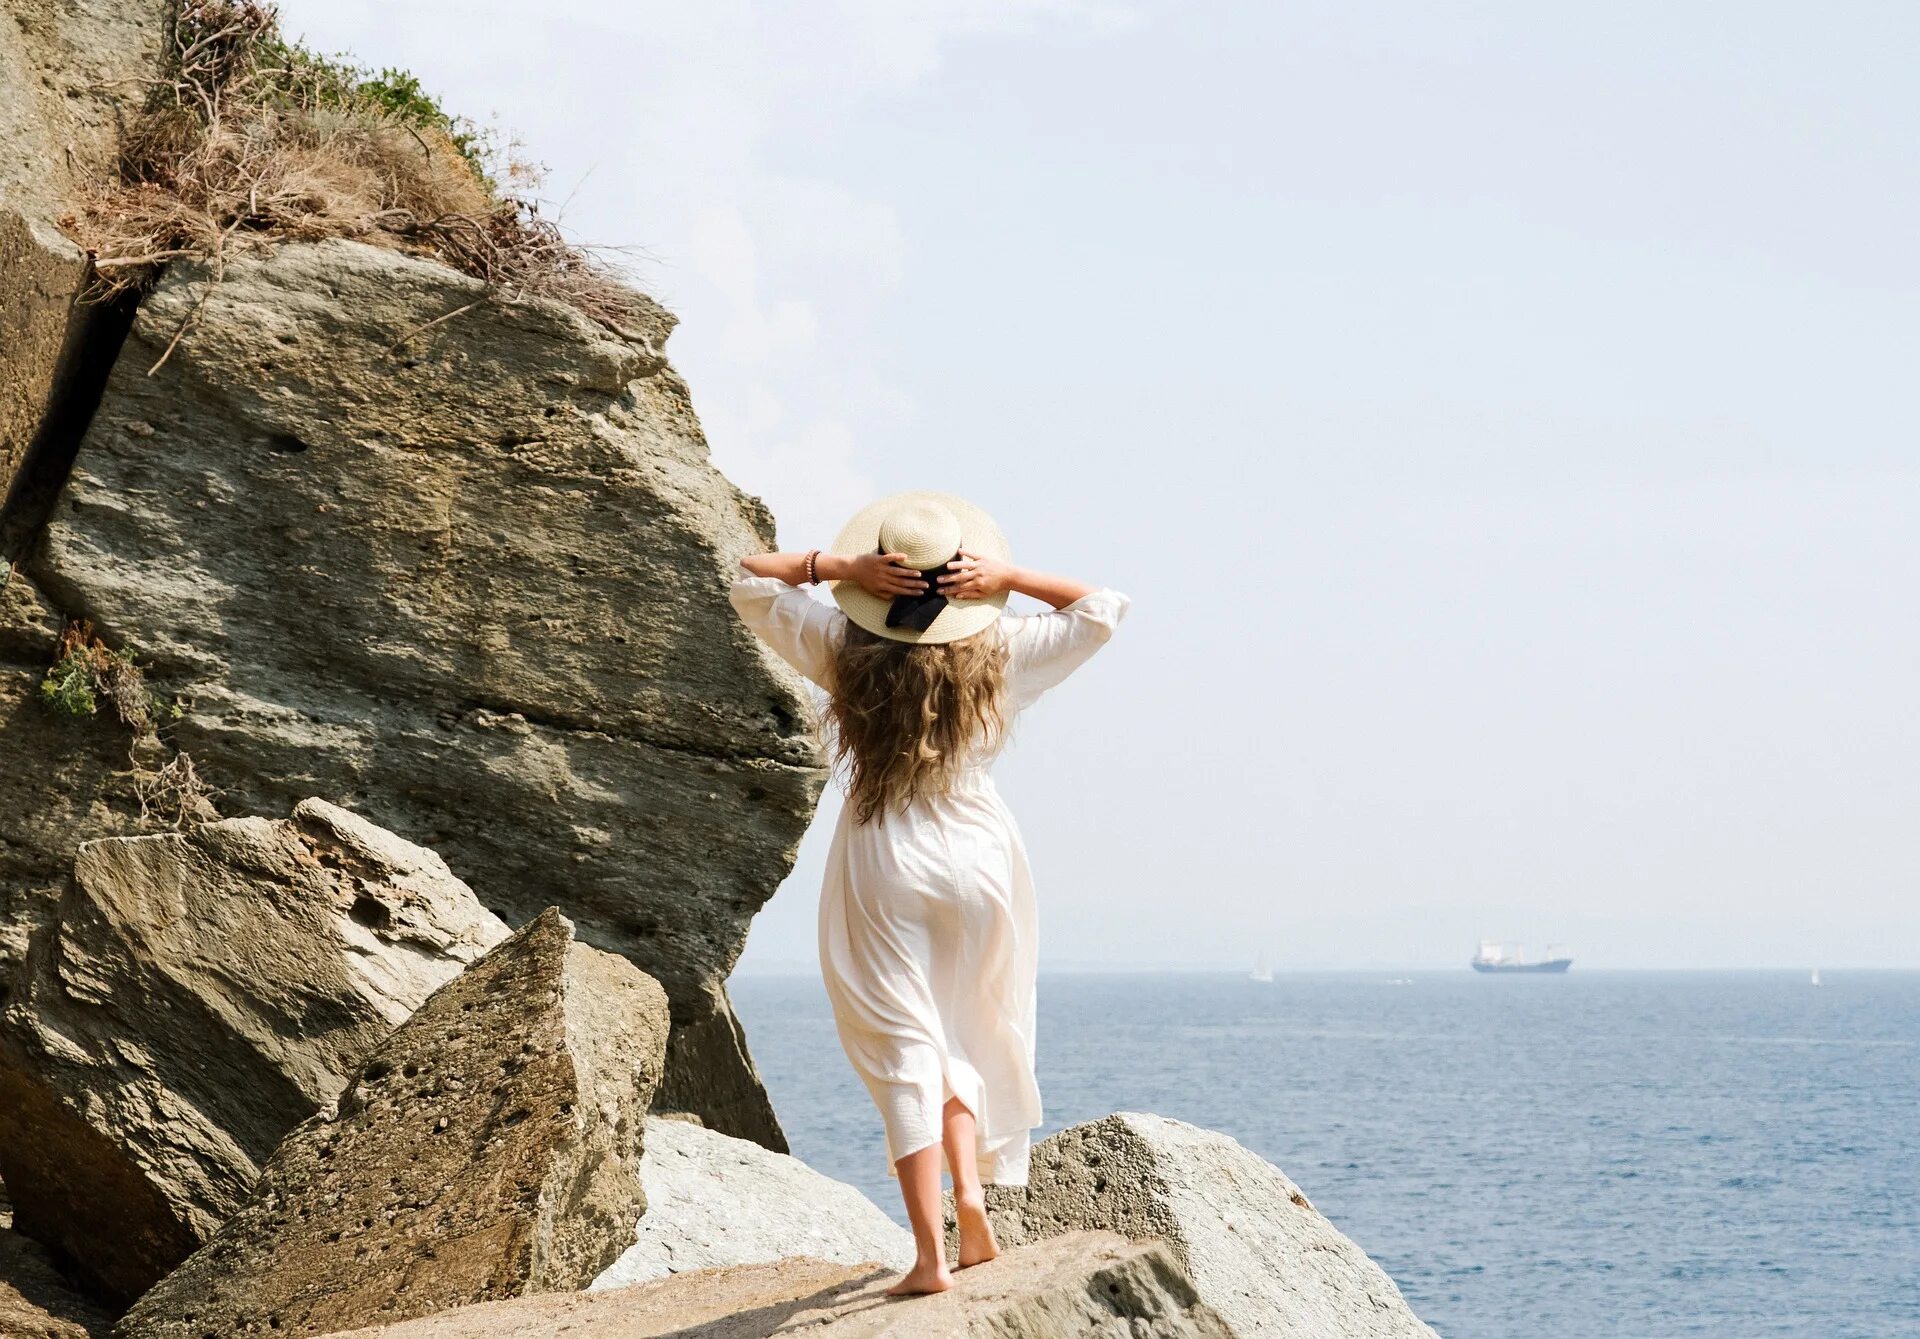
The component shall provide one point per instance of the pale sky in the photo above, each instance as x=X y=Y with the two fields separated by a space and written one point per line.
x=1502 y=415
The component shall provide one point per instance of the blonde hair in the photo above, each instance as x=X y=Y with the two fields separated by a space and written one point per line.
x=904 y=716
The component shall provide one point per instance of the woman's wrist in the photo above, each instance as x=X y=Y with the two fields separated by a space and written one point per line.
x=832 y=567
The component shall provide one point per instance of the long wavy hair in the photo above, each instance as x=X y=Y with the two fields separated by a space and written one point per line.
x=903 y=716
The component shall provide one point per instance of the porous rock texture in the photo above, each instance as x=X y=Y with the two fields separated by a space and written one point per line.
x=1091 y=1285
x=714 y=1200
x=71 y=72
x=200 y=994
x=466 y=576
x=1257 y=1251
x=489 y=1148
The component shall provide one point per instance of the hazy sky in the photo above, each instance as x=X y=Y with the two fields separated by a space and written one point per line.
x=1503 y=416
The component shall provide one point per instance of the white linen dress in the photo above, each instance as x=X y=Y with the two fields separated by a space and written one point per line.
x=927 y=921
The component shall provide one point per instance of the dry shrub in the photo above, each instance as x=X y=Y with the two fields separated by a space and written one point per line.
x=250 y=140
x=174 y=796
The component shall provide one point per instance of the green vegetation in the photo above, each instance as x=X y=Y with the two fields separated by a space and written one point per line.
x=88 y=670
x=171 y=795
x=68 y=687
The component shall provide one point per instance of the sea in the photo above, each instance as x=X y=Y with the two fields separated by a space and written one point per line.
x=1632 y=1154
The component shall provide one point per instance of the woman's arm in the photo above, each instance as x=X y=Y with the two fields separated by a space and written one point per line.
x=975 y=578
x=882 y=574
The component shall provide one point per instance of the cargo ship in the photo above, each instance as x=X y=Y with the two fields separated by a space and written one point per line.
x=1497 y=957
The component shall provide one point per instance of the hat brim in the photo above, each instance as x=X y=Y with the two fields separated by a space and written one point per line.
x=960 y=618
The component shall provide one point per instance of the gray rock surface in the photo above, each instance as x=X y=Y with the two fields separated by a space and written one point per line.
x=1257 y=1251
x=70 y=72
x=58 y=777
x=714 y=1200
x=1091 y=1285
x=467 y=578
x=489 y=1148
x=200 y=995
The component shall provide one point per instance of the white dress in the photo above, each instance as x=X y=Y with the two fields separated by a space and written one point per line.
x=927 y=921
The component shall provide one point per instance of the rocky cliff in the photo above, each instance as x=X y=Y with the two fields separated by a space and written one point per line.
x=381 y=533
x=467 y=578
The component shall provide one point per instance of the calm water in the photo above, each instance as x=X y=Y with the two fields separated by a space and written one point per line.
x=1601 y=1154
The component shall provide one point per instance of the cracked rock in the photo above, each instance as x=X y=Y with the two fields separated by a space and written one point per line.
x=468 y=579
x=490 y=1148
x=199 y=995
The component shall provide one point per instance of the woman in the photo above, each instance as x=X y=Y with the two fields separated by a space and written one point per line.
x=927 y=919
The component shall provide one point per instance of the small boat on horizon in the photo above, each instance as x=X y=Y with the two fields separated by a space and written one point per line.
x=1497 y=957
x=1261 y=972
x=1816 y=977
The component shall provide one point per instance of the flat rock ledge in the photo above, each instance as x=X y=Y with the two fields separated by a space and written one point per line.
x=714 y=1200
x=198 y=995
x=1256 y=1249
x=1085 y=1286
x=488 y=1149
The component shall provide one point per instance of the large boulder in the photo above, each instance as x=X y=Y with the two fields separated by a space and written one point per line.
x=1091 y=1285
x=1257 y=1251
x=714 y=1200
x=489 y=1148
x=71 y=73
x=460 y=563
x=200 y=995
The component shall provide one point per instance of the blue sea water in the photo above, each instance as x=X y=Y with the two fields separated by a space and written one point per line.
x=1630 y=1154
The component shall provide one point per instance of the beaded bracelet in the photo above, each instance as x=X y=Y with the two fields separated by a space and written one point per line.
x=813 y=573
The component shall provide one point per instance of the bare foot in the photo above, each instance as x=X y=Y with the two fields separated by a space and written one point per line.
x=977 y=1245
x=923 y=1278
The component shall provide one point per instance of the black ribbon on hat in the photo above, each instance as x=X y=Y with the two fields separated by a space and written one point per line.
x=919 y=611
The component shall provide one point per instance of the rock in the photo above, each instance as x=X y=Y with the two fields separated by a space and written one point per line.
x=201 y=994
x=1090 y=1285
x=36 y=1302
x=1256 y=1250
x=714 y=1200
x=489 y=1148
x=468 y=578
x=70 y=73
x=58 y=776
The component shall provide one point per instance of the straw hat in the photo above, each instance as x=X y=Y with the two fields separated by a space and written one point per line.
x=929 y=528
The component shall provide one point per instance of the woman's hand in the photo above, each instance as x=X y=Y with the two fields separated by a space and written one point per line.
x=975 y=578
x=884 y=575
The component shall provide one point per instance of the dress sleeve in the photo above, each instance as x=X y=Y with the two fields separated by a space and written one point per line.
x=798 y=627
x=1043 y=649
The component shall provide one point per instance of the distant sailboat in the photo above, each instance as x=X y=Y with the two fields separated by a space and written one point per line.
x=1816 y=977
x=1260 y=972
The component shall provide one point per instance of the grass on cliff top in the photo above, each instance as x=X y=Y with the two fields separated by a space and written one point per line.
x=248 y=139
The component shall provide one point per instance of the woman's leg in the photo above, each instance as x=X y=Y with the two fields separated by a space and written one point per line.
x=920 y=1187
x=977 y=1245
